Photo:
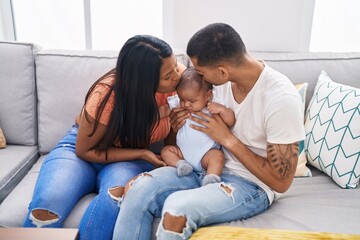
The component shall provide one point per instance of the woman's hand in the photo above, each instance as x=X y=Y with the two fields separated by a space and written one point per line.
x=152 y=158
x=178 y=117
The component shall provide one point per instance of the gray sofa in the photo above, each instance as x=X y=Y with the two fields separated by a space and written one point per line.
x=41 y=91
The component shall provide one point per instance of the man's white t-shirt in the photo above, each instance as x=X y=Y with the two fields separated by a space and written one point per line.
x=271 y=112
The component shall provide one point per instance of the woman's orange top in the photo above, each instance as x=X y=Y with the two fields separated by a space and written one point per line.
x=161 y=130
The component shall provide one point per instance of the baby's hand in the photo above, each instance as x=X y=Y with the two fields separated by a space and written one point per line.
x=214 y=107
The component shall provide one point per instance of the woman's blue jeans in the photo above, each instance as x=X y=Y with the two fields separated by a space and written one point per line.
x=64 y=179
x=161 y=191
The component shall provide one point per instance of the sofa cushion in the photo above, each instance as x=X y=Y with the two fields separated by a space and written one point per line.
x=2 y=139
x=63 y=79
x=333 y=131
x=302 y=67
x=17 y=93
x=302 y=170
x=15 y=162
x=14 y=208
x=315 y=204
x=312 y=204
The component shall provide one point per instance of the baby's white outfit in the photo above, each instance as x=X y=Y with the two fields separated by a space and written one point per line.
x=192 y=143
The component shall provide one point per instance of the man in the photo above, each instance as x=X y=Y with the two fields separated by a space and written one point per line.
x=261 y=150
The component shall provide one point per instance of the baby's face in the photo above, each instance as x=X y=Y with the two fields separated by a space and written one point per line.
x=193 y=99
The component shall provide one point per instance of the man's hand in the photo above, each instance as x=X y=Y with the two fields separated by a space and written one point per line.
x=214 y=127
x=178 y=117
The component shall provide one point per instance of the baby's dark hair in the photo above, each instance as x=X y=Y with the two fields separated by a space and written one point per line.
x=191 y=78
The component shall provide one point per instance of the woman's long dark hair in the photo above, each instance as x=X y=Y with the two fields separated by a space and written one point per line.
x=137 y=75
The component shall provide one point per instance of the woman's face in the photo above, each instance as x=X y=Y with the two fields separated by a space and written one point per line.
x=170 y=72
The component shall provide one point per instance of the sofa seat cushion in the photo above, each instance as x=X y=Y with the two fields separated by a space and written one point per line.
x=14 y=164
x=315 y=204
x=311 y=204
x=14 y=208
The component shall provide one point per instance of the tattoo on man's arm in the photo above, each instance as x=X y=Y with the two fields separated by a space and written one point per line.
x=281 y=157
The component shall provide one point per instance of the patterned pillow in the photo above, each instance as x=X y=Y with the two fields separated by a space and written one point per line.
x=2 y=139
x=302 y=170
x=332 y=127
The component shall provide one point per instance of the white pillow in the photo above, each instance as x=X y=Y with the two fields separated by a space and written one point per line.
x=302 y=170
x=332 y=126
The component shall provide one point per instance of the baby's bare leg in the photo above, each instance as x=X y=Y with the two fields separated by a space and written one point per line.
x=213 y=161
x=173 y=156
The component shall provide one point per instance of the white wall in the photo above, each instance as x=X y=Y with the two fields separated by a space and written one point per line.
x=264 y=25
x=336 y=26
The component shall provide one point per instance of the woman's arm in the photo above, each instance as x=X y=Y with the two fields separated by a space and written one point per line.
x=85 y=143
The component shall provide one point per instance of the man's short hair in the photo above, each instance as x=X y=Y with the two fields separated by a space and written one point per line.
x=215 y=43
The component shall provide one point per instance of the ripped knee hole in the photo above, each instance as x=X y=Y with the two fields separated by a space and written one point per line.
x=174 y=223
x=44 y=215
x=226 y=188
x=116 y=192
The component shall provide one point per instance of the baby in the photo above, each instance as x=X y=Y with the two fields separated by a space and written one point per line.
x=194 y=150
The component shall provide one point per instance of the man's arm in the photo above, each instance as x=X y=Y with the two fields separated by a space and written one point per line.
x=276 y=171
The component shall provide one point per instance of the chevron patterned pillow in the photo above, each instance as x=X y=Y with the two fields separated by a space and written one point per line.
x=332 y=126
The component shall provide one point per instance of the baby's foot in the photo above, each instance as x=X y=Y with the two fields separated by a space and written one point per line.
x=183 y=168
x=210 y=178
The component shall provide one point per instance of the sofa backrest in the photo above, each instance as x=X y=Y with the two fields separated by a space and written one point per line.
x=63 y=79
x=17 y=93
x=306 y=67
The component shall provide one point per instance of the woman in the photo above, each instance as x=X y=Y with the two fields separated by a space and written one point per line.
x=124 y=112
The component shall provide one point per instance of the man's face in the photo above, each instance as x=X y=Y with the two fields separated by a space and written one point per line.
x=211 y=74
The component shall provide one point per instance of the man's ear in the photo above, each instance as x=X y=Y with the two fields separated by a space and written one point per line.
x=223 y=72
